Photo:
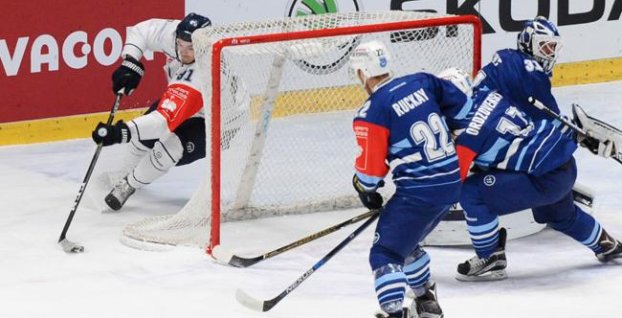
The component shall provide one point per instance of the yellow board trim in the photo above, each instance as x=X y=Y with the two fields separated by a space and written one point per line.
x=58 y=128
x=587 y=72
x=313 y=101
x=80 y=126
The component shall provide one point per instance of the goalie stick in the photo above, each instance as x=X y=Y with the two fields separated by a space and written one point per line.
x=265 y=305
x=583 y=195
x=68 y=246
x=226 y=256
x=538 y=104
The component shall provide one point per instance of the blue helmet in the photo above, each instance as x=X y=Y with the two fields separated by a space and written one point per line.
x=189 y=24
x=540 y=39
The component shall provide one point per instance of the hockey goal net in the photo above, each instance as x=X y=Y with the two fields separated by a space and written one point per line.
x=279 y=105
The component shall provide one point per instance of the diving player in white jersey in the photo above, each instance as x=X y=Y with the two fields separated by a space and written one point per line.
x=172 y=132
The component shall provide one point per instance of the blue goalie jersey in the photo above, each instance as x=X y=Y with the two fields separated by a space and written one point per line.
x=517 y=76
x=506 y=131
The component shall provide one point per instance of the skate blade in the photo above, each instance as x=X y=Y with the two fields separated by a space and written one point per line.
x=490 y=276
x=615 y=259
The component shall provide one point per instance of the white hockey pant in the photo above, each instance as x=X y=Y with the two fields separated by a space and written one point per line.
x=164 y=155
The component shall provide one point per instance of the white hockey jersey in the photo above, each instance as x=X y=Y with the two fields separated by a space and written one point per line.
x=182 y=99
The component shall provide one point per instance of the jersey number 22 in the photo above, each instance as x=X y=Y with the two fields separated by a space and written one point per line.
x=433 y=147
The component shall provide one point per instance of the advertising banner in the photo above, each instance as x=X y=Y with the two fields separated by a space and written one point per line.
x=591 y=28
x=57 y=57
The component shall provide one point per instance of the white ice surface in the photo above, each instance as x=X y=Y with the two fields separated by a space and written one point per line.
x=550 y=275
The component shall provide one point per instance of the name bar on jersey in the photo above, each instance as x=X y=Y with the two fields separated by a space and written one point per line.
x=482 y=113
x=410 y=102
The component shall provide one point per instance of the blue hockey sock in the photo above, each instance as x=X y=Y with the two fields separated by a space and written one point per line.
x=583 y=228
x=417 y=270
x=484 y=236
x=390 y=287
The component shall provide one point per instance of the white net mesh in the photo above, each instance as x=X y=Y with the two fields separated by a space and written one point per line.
x=286 y=141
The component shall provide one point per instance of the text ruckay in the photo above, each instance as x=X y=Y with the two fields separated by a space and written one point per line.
x=410 y=102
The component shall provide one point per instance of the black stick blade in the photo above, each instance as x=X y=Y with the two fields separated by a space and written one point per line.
x=225 y=256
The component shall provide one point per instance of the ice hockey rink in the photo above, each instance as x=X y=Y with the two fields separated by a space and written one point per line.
x=549 y=274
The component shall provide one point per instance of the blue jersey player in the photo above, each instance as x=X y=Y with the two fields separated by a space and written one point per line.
x=523 y=157
x=401 y=128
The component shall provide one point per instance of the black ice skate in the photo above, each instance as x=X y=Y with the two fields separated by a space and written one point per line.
x=612 y=248
x=427 y=305
x=119 y=194
x=491 y=268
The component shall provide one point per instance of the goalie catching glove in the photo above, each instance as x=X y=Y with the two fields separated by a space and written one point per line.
x=126 y=77
x=370 y=198
x=109 y=135
x=601 y=138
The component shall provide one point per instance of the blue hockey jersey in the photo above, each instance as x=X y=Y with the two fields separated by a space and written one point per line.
x=500 y=135
x=506 y=131
x=517 y=76
x=402 y=128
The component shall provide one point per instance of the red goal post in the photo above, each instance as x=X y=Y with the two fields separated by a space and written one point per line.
x=310 y=34
x=289 y=75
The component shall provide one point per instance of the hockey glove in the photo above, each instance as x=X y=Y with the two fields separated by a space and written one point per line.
x=110 y=135
x=603 y=148
x=601 y=138
x=125 y=79
x=371 y=199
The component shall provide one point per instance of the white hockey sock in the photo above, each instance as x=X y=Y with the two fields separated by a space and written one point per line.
x=164 y=155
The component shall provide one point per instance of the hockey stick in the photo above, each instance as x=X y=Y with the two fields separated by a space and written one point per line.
x=224 y=255
x=583 y=195
x=265 y=305
x=564 y=120
x=68 y=246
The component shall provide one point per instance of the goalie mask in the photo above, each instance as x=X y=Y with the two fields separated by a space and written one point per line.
x=371 y=58
x=460 y=78
x=540 y=39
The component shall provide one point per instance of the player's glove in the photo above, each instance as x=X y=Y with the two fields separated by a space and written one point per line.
x=110 y=135
x=601 y=138
x=126 y=77
x=371 y=199
x=603 y=148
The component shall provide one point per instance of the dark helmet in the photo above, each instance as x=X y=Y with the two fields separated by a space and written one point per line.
x=189 y=24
